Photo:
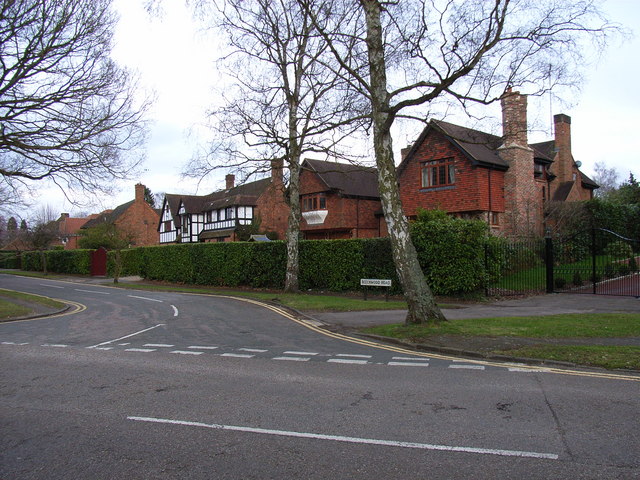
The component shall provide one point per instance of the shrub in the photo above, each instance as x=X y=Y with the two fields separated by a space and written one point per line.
x=559 y=283
x=451 y=252
x=577 y=279
x=609 y=271
x=633 y=265
x=618 y=249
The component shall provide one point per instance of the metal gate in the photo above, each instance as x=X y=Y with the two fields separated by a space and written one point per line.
x=599 y=262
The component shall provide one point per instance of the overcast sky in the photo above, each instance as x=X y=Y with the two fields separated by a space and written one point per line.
x=175 y=59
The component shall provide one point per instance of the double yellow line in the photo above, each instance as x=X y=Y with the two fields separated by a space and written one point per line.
x=391 y=348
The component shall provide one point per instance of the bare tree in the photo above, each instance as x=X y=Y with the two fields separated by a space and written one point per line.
x=68 y=113
x=44 y=233
x=420 y=51
x=286 y=101
x=607 y=178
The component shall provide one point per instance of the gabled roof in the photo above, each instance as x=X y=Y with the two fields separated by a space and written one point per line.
x=246 y=194
x=108 y=216
x=347 y=179
x=479 y=147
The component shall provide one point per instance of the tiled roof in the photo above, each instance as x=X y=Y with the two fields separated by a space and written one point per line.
x=108 y=216
x=348 y=179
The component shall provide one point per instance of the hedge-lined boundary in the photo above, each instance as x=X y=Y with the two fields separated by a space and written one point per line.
x=451 y=253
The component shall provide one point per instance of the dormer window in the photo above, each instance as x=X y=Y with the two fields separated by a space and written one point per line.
x=437 y=173
x=314 y=202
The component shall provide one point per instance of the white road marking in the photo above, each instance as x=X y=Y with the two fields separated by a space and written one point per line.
x=56 y=345
x=91 y=291
x=253 y=350
x=413 y=359
x=299 y=353
x=14 y=343
x=186 y=352
x=408 y=364
x=126 y=336
x=293 y=359
x=158 y=345
x=357 y=440
x=237 y=355
x=104 y=348
x=467 y=367
x=145 y=298
x=352 y=356
x=51 y=286
x=528 y=370
x=122 y=344
x=143 y=350
x=345 y=360
x=175 y=310
x=201 y=347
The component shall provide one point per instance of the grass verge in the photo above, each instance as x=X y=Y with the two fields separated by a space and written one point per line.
x=17 y=304
x=610 y=357
x=589 y=325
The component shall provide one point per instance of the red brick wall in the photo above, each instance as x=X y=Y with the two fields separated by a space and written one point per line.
x=273 y=210
x=353 y=217
x=475 y=189
x=141 y=222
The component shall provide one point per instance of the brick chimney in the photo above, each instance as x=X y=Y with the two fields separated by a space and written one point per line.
x=522 y=209
x=231 y=181
x=563 y=164
x=139 y=193
x=276 y=171
x=514 y=119
x=64 y=215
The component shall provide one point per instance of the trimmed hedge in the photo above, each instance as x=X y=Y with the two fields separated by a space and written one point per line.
x=10 y=259
x=59 y=261
x=451 y=252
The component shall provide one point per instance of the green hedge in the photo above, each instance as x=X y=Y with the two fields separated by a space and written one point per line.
x=10 y=259
x=451 y=253
x=59 y=261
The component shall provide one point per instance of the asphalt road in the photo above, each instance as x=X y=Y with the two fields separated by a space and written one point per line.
x=163 y=385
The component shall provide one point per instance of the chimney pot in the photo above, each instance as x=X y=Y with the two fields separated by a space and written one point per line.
x=514 y=118
x=230 y=181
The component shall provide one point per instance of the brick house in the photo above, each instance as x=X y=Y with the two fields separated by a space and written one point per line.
x=218 y=216
x=69 y=229
x=504 y=181
x=136 y=219
x=339 y=201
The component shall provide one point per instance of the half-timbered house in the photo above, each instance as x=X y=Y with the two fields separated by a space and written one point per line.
x=217 y=217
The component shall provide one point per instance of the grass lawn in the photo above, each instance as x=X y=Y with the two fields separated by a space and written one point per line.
x=591 y=355
x=15 y=304
x=547 y=326
x=585 y=326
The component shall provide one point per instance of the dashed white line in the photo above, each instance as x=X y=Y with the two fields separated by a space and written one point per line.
x=408 y=364
x=299 y=353
x=142 y=350
x=346 y=360
x=412 y=359
x=91 y=291
x=146 y=298
x=14 y=343
x=293 y=359
x=467 y=367
x=50 y=286
x=55 y=345
x=158 y=345
x=237 y=355
x=203 y=347
x=348 y=355
x=187 y=352
x=356 y=440
x=252 y=350
x=175 y=310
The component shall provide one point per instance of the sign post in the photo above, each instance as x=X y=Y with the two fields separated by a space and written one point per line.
x=375 y=282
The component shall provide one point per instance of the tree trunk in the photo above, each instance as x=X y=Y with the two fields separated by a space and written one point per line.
x=420 y=300
x=293 y=229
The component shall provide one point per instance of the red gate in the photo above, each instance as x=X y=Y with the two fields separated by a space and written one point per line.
x=99 y=262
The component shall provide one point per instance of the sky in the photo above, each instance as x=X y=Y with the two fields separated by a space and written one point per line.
x=175 y=60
